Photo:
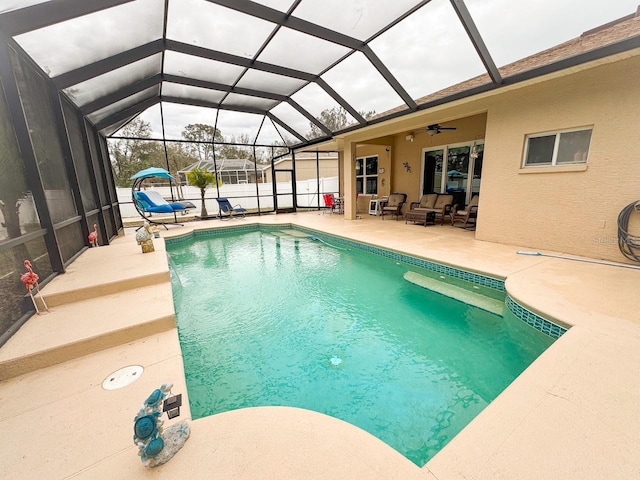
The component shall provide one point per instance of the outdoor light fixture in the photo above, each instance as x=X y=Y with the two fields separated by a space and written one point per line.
x=409 y=138
x=172 y=406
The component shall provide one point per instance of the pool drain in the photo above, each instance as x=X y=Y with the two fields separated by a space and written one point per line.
x=122 y=377
x=335 y=361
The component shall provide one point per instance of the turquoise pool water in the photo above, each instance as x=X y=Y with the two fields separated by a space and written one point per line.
x=269 y=319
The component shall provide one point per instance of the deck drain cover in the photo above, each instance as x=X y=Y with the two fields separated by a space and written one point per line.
x=123 y=377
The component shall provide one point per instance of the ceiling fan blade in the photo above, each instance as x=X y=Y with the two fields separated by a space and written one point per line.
x=437 y=127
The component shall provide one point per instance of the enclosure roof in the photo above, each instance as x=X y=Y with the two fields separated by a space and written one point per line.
x=222 y=164
x=299 y=70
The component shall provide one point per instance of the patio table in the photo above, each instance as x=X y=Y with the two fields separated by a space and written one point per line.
x=420 y=216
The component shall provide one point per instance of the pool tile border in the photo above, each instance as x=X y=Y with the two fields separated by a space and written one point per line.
x=475 y=278
x=532 y=319
x=536 y=321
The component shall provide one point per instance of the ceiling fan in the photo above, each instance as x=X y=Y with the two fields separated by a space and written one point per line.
x=437 y=128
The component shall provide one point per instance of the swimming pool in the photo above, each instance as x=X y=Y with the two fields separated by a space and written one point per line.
x=277 y=318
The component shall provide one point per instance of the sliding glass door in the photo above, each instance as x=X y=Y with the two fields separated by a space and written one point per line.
x=454 y=169
x=432 y=171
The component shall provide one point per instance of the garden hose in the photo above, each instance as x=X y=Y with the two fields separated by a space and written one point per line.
x=629 y=244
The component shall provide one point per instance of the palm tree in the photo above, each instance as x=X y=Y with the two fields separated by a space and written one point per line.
x=201 y=178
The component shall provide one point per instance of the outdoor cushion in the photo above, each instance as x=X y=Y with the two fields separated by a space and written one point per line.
x=442 y=201
x=394 y=201
x=428 y=200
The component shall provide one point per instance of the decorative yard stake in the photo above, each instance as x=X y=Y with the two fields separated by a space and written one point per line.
x=93 y=237
x=156 y=446
x=30 y=280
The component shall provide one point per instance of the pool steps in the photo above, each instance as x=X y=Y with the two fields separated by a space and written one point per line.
x=478 y=300
x=129 y=306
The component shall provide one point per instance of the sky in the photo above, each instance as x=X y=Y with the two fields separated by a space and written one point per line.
x=425 y=52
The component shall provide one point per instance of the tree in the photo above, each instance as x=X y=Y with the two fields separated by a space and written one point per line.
x=334 y=119
x=201 y=178
x=130 y=155
x=205 y=135
x=237 y=151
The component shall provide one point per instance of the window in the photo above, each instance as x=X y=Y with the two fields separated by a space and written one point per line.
x=560 y=148
x=367 y=175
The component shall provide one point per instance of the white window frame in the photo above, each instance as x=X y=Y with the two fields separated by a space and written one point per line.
x=364 y=175
x=556 y=147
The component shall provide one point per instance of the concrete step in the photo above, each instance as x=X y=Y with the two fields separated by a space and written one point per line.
x=107 y=271
x=68 y=331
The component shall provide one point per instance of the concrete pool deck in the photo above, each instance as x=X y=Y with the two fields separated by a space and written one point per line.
x=573 y=414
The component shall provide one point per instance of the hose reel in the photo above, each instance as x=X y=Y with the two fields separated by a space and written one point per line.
x=629 y=244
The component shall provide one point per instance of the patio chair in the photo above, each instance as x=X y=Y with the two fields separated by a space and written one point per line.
x=468 y=215
x=394 y=205
x=329 y=203
x=428 y=200
x=362 y=204
x=152 y=202
x=438 y=203
x=227 y=211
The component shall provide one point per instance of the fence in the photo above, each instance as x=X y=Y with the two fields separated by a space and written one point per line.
x=244 y=194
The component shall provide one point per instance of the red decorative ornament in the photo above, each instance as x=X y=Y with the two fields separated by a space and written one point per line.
x=30 y=280
x=93 y=236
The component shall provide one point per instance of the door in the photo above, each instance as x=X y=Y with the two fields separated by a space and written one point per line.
x=458 y=173
x=454 y=169
x=283 y=191
x=477 y=156
x=432 y=171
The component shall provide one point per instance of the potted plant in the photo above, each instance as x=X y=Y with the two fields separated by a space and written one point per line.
x=201 y=178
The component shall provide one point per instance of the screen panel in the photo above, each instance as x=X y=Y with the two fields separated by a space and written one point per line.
x=65 y=46
x=45 y=137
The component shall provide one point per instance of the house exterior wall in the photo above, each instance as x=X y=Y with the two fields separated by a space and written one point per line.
x=573 y=209
x=468 y=129
x=566 y=211
x=384 y=161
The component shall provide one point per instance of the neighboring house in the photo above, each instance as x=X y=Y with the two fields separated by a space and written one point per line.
x=306 y=166
x=230 y=170
x=552 y=152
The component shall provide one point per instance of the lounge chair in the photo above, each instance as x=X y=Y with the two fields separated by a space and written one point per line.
x=468 y=215
x=152 y=202
x=394 y=205
x=227 y=211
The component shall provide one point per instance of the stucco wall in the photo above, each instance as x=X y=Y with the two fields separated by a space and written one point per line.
x=384 y=151
x=468 y=129
x=574 y=212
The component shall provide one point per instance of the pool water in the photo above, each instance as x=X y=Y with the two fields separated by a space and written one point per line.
x=271 y=319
